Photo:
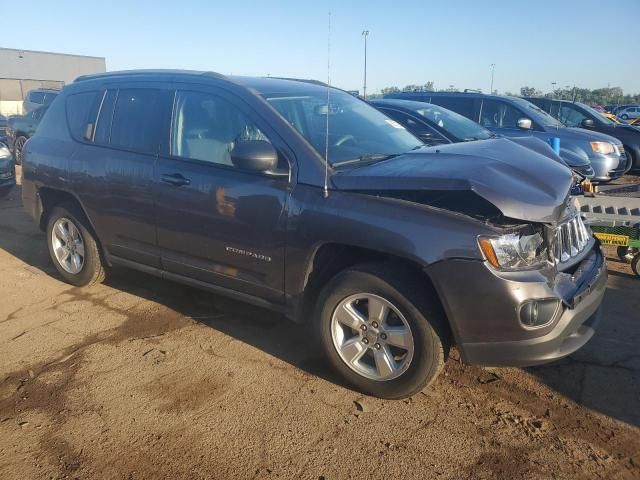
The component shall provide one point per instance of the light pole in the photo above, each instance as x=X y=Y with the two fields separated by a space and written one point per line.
x=493 y=68
x=553 y=89
x=365 y=34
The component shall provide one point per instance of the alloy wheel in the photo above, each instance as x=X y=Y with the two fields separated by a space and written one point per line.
x=68 y=245
x=17 y=149
x=372 y=337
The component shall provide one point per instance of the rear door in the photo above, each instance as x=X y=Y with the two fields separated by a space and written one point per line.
x=217 y=223
x=113 y=171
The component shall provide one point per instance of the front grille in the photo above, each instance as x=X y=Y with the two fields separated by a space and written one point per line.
x=570 y=239
x=6 y=175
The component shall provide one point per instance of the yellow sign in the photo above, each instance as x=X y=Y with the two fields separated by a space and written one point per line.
x=611 y=239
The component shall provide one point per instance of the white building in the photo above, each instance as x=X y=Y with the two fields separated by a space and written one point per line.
x=24 y=70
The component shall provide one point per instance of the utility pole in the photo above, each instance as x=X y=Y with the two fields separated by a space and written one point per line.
x=365 y=34
x=493 y=68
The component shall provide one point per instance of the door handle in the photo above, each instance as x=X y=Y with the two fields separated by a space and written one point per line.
x=175 y=179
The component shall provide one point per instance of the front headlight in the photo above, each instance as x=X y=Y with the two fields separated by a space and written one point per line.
x=602 y=147
x=522 y=250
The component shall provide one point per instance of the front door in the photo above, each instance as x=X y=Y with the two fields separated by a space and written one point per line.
x=217 y=223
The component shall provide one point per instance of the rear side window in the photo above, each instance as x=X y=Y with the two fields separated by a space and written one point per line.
x=81 y=113
x=137 y=119
x=463 y=106
x=36 y=97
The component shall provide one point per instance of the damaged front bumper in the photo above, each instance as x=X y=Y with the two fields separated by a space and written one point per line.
x=483 y=307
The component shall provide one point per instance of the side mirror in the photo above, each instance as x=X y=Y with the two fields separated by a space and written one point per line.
x=254 y=155
x=525 y=124
x=587 y=123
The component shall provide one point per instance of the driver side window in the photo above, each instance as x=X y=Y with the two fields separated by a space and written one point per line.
x=206 y=127
x=570 y=116
x=498 y=114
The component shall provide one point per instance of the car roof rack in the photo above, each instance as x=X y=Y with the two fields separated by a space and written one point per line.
x=304 y=80
x=129 y=73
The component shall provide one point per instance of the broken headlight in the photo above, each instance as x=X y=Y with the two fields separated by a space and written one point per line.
x=521 y=250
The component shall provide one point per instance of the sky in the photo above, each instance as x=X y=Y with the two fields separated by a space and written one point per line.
x=588 y=43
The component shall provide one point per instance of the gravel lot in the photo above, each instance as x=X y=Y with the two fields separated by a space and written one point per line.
x=143 y=378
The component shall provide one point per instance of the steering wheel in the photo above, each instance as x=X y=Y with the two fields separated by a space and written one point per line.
x=344 y=139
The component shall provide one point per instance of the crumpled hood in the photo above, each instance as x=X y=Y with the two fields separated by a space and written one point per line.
x=521 y=183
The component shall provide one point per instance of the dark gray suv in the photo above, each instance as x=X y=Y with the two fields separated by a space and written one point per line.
x=304 y=199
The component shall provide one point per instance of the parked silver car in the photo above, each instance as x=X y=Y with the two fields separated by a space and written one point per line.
x=629 y=113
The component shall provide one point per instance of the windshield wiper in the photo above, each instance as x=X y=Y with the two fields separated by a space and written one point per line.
x=368 y=158
x=470 y=139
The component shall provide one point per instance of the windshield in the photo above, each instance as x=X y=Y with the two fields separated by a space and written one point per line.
x=460 y=127
x=357 y=131
x=537 y=114
x=599 y=116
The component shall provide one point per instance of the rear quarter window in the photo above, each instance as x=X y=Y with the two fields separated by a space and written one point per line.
x=81 y=114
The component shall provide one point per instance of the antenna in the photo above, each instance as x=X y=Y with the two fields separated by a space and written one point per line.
x=325 y=192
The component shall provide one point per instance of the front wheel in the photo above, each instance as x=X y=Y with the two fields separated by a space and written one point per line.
x=625 y=117
x=385 y=337
x=635 y=265
x=626 y=254
x=72 y=247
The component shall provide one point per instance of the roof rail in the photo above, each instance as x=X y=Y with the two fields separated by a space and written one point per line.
x=313 y=82
x=128 y=73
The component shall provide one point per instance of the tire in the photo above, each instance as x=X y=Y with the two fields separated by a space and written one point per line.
x=625 y=117
x=626 y=254
x=416 y=309
x=635 y=265
x=17 y=149
x=91 y=269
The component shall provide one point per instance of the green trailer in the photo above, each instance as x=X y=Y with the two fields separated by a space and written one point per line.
x=614 y=217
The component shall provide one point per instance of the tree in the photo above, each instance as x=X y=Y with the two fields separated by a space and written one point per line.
x=387 y=90
x=427 y=87
x=530 y=92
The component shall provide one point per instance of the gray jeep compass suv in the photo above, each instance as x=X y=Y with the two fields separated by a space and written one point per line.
x=304 y=199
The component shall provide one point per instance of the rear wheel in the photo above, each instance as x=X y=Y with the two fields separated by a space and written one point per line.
x=381 y=333
x=626 y=254
x=625 y=116
x=17 y=149
x=635 y=265
x=72 y=247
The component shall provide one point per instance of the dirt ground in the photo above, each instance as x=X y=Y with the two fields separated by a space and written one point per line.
x=143 y=378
